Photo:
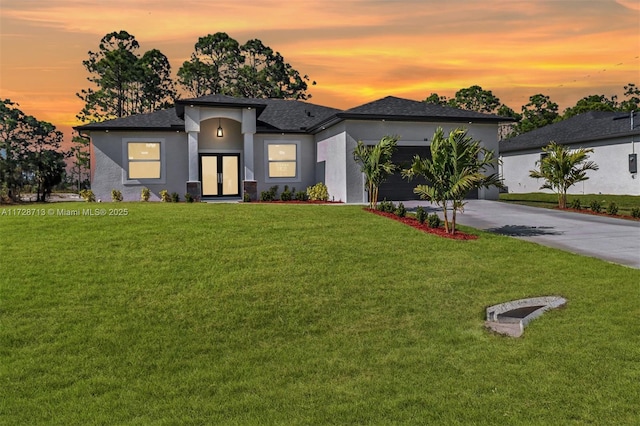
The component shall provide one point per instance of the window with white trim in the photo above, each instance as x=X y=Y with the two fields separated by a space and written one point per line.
x=282 y=160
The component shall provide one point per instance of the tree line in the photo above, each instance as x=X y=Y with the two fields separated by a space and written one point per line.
x=539 y=112
x=126 y=82
x=30 y=156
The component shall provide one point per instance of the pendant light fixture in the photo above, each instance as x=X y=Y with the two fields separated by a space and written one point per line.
x=219 y=132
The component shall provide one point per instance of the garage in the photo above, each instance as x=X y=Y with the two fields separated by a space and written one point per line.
x=398 y=189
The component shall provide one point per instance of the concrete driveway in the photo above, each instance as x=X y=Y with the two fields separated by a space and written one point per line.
x=613 y=240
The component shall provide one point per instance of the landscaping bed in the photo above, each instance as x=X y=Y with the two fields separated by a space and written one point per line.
x=413 y=222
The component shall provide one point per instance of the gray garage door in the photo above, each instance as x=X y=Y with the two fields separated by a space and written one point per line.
x=398 y=189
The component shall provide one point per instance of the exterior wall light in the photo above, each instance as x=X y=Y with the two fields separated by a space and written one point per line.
x=219 y=132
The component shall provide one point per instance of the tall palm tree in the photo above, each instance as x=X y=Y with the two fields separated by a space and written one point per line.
x=375 y=163
x=561 y=168
x=457 y=165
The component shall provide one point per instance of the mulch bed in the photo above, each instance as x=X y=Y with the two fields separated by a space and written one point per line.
x=411 y=221
x=297 y=202
x=591 y=212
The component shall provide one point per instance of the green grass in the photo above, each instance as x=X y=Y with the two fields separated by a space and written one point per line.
x=538 y=199
x=280 y=314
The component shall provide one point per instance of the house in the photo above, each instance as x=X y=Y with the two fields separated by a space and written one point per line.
x=613 y=136
x=223 y=147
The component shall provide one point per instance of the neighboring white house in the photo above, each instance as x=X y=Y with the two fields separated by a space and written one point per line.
x=613 y=136
x=223 y=147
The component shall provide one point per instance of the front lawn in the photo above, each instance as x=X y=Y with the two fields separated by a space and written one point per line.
x=290 y=314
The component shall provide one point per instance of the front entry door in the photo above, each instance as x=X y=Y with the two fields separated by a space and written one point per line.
x=220 y=175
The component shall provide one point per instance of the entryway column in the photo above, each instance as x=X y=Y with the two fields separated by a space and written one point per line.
x=248 y=157
x=248 y=130
x=193 y=156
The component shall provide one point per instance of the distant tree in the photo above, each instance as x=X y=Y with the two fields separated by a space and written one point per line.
x=125 y=83
x=80 y=161
x=213 y=67
x=219 y=65
x=458 y=164
x=265 y=74
x=30 y=152
x=561 y=168
x=591 y=103
x=507 y=129
x=434 y=98
x=375 y=163
x=13 y=147
x=539 y=112
x=158 y=89
x=632 y=101
x=475 y=98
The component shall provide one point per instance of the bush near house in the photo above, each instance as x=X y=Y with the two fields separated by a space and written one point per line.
x=116 y=195
x=318 y=192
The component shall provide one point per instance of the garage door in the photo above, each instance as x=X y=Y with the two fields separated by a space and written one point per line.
x=398 y=189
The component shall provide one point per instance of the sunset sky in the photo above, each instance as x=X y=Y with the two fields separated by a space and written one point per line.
x=356 y=50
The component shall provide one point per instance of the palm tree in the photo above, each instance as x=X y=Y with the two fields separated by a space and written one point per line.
x=375 y=163
x=457 y=165
x=561 y=168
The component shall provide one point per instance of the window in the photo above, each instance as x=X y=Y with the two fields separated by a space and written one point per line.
x=282 y=158
x=144 y=160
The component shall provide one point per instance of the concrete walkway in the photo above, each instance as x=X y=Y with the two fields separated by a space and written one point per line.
x=610 y=239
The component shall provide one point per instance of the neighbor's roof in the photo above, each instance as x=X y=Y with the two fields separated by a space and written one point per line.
x=586 y=127
x=280 y=115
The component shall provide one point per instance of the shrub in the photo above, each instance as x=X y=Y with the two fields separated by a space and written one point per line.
x=270 y=195
x=386 y=206
x=164 y=196
x=595 y=206
x=116 y=195
x=433 y=220
x=612 y=209
x=246 y=197
x=575 y=204
x=301 y=196
x=635 y=212
x=188 y=198
x=175 y=197
x=318 y=192
x=401 y=211
x=145 y=194
x=421 y=215
x=286 y=194
x=4 y=193
x=87 y=195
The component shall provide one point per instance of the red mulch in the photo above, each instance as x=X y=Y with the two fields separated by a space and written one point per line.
x=411 y=221
x=298 y=202
x=584 y=211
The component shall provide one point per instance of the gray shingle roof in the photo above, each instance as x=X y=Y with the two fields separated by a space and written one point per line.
x=589 y=126
x=162 y=120
x=289 y=115
x=406 y=109
x=280 y=115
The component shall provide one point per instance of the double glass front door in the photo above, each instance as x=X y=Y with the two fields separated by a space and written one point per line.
x=220 y=175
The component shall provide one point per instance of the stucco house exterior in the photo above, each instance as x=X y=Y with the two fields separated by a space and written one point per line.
x=613 y=136
x=223 y=147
